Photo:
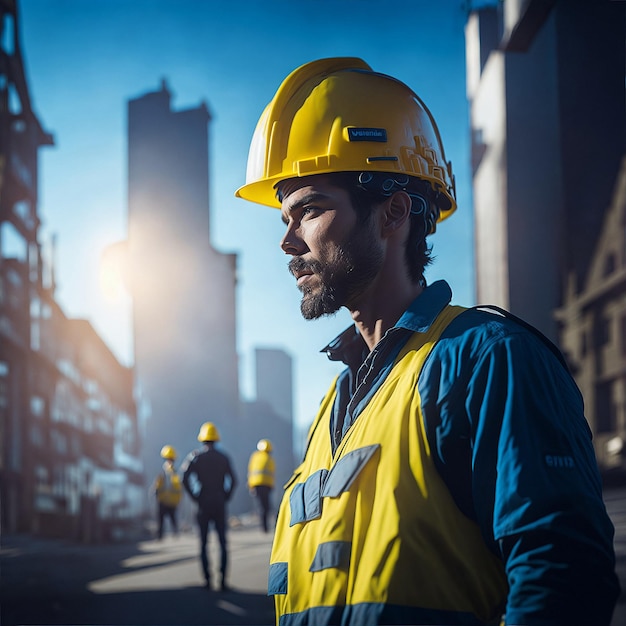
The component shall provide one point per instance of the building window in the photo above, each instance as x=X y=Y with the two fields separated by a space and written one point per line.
x=59 y=442
x=36 y=436
x=41 y=475
x=23 y=211
x=4 y=384
x=7 y=39
x=603 y=330
x=606 y=411
x=15 y=107
x=33 y=261
x=14 y=245
x=37 y=406
x=35 y=336
x=94 y=404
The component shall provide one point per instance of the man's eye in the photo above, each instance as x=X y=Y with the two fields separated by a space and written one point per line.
x=310 y=211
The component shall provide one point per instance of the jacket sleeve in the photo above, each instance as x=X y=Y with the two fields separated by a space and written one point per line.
x=515 y=449
x=543 y=501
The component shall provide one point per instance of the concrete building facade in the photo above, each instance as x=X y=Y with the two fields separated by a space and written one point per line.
x=593 y=334
x=69 y=440
x=545 y=83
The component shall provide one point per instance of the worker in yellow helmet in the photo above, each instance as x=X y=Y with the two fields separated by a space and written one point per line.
x=261 y=470
x=168 y=490
x=449 y=476
x=209 y=479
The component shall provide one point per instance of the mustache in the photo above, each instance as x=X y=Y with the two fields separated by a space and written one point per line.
x=298 y=264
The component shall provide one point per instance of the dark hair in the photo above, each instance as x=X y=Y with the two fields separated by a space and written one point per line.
x=368 y=189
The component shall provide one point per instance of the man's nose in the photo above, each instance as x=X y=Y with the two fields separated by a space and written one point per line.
x=292 y=243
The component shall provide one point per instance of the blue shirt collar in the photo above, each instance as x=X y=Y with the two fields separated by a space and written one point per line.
x=426 y=307
x=349 y=346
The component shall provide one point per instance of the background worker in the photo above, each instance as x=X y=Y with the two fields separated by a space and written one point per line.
x=168 y=490
x=210 y=480
x=261 y=470
x=449 y=476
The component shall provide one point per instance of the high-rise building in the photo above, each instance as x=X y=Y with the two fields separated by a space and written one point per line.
x=183 y=289
x=274 y=398
x=545 y=82
x=21 y=284
x=546 y=88
x=69 y=443
x=274 y=381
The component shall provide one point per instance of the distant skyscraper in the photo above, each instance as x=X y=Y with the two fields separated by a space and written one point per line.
x=274 y=381
x=183 y=289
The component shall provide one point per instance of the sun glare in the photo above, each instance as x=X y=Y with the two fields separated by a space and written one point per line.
x=114 y=272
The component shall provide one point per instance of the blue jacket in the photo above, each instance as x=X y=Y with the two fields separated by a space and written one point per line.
x=506 y=424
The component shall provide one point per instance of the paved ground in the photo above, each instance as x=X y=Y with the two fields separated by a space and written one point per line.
x=616 y=505
x=158 y=583
x=151 y=582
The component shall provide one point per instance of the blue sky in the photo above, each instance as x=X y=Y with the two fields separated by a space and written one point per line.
x=86 y=58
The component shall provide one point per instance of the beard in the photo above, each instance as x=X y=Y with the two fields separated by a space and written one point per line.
x=342 y=273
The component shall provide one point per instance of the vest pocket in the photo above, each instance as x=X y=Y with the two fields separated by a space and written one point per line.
x=346 y=470
x=332 y=554
x=305 y=500
x=277 y=579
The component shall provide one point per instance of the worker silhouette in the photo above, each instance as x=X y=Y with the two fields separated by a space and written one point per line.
x=209 y=479
x=261 y=470
x=168 y=491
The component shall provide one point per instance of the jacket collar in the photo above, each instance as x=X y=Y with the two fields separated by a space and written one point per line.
x=349 y=345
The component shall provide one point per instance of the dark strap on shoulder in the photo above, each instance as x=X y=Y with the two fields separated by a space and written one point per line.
x=518 y=320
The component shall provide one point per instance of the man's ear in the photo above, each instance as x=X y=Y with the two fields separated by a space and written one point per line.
x=397 y=210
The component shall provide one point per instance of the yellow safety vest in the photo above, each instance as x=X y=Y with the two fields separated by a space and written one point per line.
x=372 y=532
x=168 y=487
x=261 y=468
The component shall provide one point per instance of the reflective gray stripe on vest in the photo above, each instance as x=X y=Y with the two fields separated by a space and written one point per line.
x=346 y=470
x=314 y=615
x=277 y=579
x=261 y=473
x=305 y=501
x=373 y=613
x=331 y=554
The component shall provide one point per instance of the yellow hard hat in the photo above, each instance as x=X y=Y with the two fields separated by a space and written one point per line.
x=168 y=452
x=338 y=115
x=264 y=445
x=208 y=432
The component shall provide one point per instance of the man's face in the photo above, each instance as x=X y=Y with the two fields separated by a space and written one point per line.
x=334 y=257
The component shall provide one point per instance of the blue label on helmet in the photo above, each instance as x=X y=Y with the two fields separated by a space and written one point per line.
x=367 y=134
